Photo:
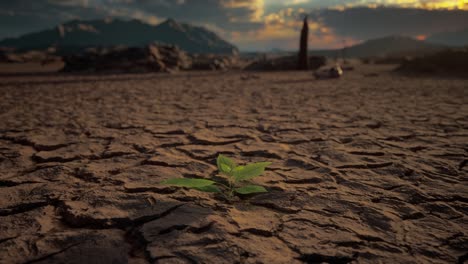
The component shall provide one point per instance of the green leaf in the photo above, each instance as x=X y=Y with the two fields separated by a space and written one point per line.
x=238 y=168
x=251 y=189
x=210 y=189
x=250 y=171
x=190 y=183
x=225 y=164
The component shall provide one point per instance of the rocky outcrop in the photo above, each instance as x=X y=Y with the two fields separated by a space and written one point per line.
x=152 y=58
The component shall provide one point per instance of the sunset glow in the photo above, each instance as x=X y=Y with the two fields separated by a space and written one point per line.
x=421 y=37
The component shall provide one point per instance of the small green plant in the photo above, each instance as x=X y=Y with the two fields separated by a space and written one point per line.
x=238 y=179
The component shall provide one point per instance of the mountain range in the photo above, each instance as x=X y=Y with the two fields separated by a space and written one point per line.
x=77 y=35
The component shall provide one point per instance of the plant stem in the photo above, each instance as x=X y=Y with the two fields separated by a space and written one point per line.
x=230 y=184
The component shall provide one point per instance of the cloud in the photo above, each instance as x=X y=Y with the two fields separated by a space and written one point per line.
x=253 y=8
x=83 y=3
x=253 y=24
x=420 y=4
x=364 y=23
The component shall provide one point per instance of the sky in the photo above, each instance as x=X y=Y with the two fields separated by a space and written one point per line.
x=254 y=24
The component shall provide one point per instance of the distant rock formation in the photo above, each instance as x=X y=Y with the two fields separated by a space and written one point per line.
x=288 y=63
x=303 y=63
x=151 y=58
x=34 y=56
x=76 y=36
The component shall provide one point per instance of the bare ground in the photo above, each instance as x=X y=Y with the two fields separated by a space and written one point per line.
x=371 y=168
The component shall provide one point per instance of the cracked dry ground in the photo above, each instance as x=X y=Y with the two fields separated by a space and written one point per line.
x=366 y=169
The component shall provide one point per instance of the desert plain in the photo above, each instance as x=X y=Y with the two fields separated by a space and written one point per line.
x=368 y=168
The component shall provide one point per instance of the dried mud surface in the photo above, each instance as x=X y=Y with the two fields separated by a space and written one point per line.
x=371 y=168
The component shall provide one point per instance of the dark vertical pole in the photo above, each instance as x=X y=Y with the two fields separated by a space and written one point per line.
x=344 y=52
x=303 y=56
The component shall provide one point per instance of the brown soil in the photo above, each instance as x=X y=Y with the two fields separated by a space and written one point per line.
x=370 y=168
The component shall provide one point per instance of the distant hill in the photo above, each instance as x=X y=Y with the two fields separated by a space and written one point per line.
x=452 y=38
x=450 y=62
x=76 y=35
x=387 y=46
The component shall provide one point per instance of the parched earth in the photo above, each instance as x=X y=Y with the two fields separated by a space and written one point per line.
x=371 y=168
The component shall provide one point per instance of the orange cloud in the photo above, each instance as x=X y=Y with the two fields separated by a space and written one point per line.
x=256 y=6
x=427 y=4
x=282 y=30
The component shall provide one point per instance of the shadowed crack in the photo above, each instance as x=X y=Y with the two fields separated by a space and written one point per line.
x=3 y=240
x=105 y=223
x=144 y=219
x=462 y=164
x=168 y=190
x=21 y=208
x=258 y=232
x=463 y=259
x=18 y=140
x=161 y=163
x=366 y=166
x=187 y=228
x=262 y=154
x=367 y=153
x=40 y=159
x=318 y=258
x=7 y=183
x=38 y=147
x=304 y=181
x=413 y=216
x=300 y=164
x=138 y=241
x=52 y=254
x=197 y=141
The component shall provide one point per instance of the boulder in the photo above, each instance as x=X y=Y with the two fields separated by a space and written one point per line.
x=151 y=58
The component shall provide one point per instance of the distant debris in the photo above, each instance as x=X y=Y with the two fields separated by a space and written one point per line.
x=452 y=62
x=329 y=73
x=152 y=58
x=288 y=63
